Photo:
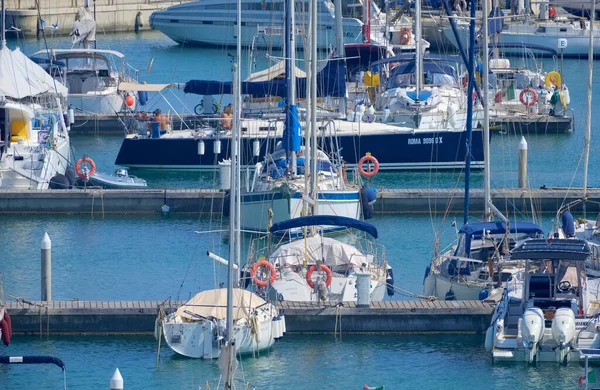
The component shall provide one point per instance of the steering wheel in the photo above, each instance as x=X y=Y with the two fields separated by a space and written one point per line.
x=564 y=286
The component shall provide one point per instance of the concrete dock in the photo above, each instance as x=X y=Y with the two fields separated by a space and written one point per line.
x=150 y=201
x=111 y=15
x=138 y=317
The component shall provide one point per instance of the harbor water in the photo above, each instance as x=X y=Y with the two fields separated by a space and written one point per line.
x=155 y=257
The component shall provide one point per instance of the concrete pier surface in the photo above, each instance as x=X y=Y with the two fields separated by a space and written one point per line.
x=150 y=201
x=111 y=15
x=138 y=317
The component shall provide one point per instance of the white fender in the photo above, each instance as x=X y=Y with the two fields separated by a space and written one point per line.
x=566 y=94
x=489 y=338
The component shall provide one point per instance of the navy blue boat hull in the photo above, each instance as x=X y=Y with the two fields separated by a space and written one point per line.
x=395 y=151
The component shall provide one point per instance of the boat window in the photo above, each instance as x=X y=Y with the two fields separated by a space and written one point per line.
x=79 y=64
x=401 y=81
x=541 y=30
x=460 y=247
x=439 y=79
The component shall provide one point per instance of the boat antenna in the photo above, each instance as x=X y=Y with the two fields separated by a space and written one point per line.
x=470 y=86
x=3 y=25
x=588 y=104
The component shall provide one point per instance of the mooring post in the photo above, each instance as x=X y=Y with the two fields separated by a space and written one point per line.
x=363 y=289
x=523 y=163
x=116 y=382
x=46 y=268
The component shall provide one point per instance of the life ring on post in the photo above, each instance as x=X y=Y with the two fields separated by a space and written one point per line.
x=371 y=159
x=88 y=160
x=532 y=93
x=323 y=268
x=263 y=264
x=405 y=36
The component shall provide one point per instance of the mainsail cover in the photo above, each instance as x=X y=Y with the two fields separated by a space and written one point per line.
x=213 y=303
x=330 y=82
x=332 y=253
x=20 y=77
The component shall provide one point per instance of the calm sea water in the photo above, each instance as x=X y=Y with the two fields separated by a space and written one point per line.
x=153 y=257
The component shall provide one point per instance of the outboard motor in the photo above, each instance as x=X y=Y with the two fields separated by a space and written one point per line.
x=563 y=332
x=568 y=224
x=532 y=329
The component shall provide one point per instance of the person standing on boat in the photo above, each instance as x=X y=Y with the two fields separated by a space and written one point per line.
x=227 y=117
x=162 y=119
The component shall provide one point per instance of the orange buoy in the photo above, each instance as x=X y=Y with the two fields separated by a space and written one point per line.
x=129 y=100
x=263 y=264
x=87 y=160
x=371 y=159
x=323 y=268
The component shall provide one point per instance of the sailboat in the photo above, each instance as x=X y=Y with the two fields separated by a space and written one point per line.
x=34 y=139
x=228 y=321
x=477 y=266
x=314 y=268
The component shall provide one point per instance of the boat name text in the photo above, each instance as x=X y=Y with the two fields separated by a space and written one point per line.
x=425 y=141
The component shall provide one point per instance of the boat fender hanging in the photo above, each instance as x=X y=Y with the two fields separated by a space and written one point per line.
x=390 y=281
x=450 y=295
x=71 y=112
x=143 y=97
x=405 y=36
x=566 y=96
x=88 y=160
x=313 y=268
x=263 y=264
x=67 y=119
x=5 y=332
x=367 y=208
x=483 y=294
x=531 y=92
x=368 y=158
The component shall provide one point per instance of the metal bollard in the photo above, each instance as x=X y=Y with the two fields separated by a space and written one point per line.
x=116 y=382
x=523 y=163
x=46 y=268
x=363 y=289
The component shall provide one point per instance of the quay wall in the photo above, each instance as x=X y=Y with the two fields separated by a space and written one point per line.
x=111 y=15
x=149 y=201
x=138 y=317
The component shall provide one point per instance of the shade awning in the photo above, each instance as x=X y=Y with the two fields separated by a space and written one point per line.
x=142 y=87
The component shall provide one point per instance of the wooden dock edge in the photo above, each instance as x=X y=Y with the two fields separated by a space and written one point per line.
x=138 y=317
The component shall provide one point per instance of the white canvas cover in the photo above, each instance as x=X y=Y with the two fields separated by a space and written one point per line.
x=333 y=252
x=142 y=87
x=20 y=77
x=277 y=70
x=213 y=303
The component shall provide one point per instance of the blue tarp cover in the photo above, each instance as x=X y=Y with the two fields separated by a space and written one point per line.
x=476 y=229
x=327 y=220
x=331 y=81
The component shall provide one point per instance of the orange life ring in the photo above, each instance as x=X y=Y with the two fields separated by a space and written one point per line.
x=260 y=264
x=368 y=158
x=312 y=269
x=88 y=160
x=405 y=36
x=531 y=102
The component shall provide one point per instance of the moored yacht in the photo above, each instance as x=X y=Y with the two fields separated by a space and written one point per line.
x=555 y=316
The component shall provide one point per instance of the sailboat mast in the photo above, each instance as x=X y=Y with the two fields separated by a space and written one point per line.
x=235 y=201
x=486 y=115
x=313 y=106
x=588 y=101
x=340 y=52
x=470 y=87
x=237 y=126
x=418 y=48
x=290 y=77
